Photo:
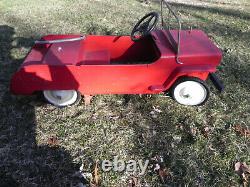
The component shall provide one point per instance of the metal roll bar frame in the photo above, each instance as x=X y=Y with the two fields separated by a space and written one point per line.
x=170 y=37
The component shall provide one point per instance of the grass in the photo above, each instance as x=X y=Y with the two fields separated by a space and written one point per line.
x=199 y=145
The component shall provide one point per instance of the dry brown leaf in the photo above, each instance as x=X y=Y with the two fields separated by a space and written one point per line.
x=164 y=175
x=96 y=178
x=245 y=167
x=242 y=131
x=206 y=131
x=52 y=141
x=193 y=131
x=162 y=171
x=133 y=182
x=243 y=170
x=237 y=166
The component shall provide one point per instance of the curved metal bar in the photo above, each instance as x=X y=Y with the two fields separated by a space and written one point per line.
x=59 y=40
x=179 y=29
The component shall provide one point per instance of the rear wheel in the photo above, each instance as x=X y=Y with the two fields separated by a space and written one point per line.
x=190 y=91
x=62 y=98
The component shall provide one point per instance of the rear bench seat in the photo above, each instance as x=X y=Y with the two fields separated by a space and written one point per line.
x=98 y=57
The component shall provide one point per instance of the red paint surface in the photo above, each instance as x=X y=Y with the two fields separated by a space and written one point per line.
x=96 y=65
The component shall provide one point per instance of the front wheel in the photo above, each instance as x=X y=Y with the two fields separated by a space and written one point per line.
x=190 y=91
x=62 y=98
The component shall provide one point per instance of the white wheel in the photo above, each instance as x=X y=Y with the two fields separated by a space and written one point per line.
x=61 y=98
x=190 y=91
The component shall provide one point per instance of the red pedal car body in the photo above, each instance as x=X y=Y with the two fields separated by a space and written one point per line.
x=150 y=61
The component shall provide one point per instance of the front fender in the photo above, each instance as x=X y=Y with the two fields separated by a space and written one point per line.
x=200 y=72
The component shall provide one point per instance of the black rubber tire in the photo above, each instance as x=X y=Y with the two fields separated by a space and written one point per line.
x=184 y=79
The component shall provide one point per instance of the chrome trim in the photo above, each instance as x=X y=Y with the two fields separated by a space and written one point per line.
x=179 y=29
x=59 y=40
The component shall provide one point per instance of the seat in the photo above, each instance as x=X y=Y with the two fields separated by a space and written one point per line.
x=98 y=57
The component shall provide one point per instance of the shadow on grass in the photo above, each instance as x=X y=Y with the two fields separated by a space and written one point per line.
x=162 y=135
x=221 y=11
x=177 y=136
x=23 y=162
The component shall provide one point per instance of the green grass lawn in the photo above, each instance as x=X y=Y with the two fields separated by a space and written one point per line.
x=41 y=145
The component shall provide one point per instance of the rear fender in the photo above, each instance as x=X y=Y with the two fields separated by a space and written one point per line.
x=40 y=77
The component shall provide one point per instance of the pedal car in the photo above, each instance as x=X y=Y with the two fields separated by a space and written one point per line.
x=150 y=61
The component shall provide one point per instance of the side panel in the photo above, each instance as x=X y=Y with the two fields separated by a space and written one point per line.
x=105 y=79
x=89 y=79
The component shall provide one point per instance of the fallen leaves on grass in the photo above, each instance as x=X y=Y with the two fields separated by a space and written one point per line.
x=206 y=131
x=242 y=131
x=154 y=113
x=243 y=170
x=193 y=131
x=133 y=182
x=162 y=171
x=52 y=141
x=164 y=175
x=96 y=179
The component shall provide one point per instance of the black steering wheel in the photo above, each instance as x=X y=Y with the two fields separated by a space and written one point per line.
x=144 y=26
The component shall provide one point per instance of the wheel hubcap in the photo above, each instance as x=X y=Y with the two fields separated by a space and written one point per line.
x=190 y=93
x=61 y=97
